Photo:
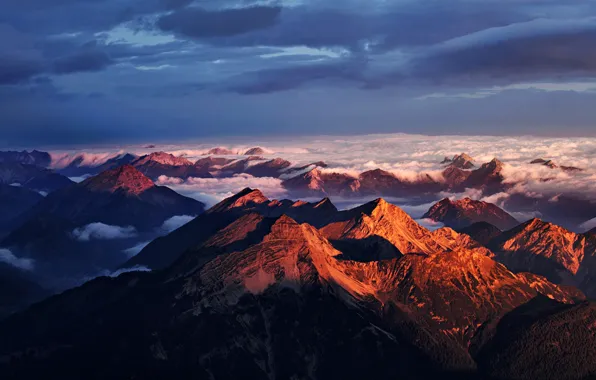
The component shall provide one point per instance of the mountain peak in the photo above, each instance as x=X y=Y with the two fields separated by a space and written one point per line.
x=381 y=221
x=256 y=151
x=540 y=247
x=552 y=165
x=162 y=158
x=377 y=207
x=220 y=151
x=245 y=197
x=326 y=203
x=462 y=161
x=124 y=177
x=464 y=212
x=495 y=163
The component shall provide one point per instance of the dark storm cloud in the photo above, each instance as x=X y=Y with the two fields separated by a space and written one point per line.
x=175 y=4
x=188 y=57
x=14 y=70
x=197 y=23
x=19 y=59
x=568 y=53
x=535 y=50
x=84 y=60
x=344 y=25
x=273 y=80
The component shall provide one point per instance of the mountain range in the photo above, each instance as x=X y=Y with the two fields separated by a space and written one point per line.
x=88 y=228
x=460 y=174
x=145 y=283
x=266 y=289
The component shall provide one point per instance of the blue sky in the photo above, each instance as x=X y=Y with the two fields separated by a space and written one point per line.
x=83 y=71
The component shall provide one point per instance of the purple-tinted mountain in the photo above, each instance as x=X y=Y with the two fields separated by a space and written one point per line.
x=380 y=182
x=317 y=183
x=383 y=183
x=567 y=211
x=257 y=151
x=32 y=177
x=460 y=161
x=465 y=212
x=35 y=157
x=488 y=177
x=122 y=197
x=221 y=151
x=551 y=164
x=272 y=168
x=78 y=168
x=157 y=164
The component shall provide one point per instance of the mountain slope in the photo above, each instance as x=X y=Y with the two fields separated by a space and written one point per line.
x=14 y=200
x=542 y=248
x=92 y=227
x=465 y=212
x=460 y=161
x=165 y=250
x=17 y=290
x=35 y=157
x=32 y=177
x=482 y=232
x=381 y=220
x=534 y=339
x=157 y=164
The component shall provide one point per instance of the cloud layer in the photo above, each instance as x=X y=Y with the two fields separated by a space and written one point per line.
x=101 y=231
x=212 y=190
x=6 y=256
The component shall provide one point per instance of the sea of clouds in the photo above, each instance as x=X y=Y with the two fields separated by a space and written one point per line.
x=407 y=156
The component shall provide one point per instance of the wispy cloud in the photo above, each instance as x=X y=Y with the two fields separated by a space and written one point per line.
x=213 y=190
x=6 y=256
x=134 y=250
x=101 y=231
x=176 y=222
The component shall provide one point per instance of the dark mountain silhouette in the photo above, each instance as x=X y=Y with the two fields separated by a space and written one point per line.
x=15 y=200
x=532 y=340
x=482 y=232
x=32 y=177
x=35 y=157
x=89 y=228
x=18 y=289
